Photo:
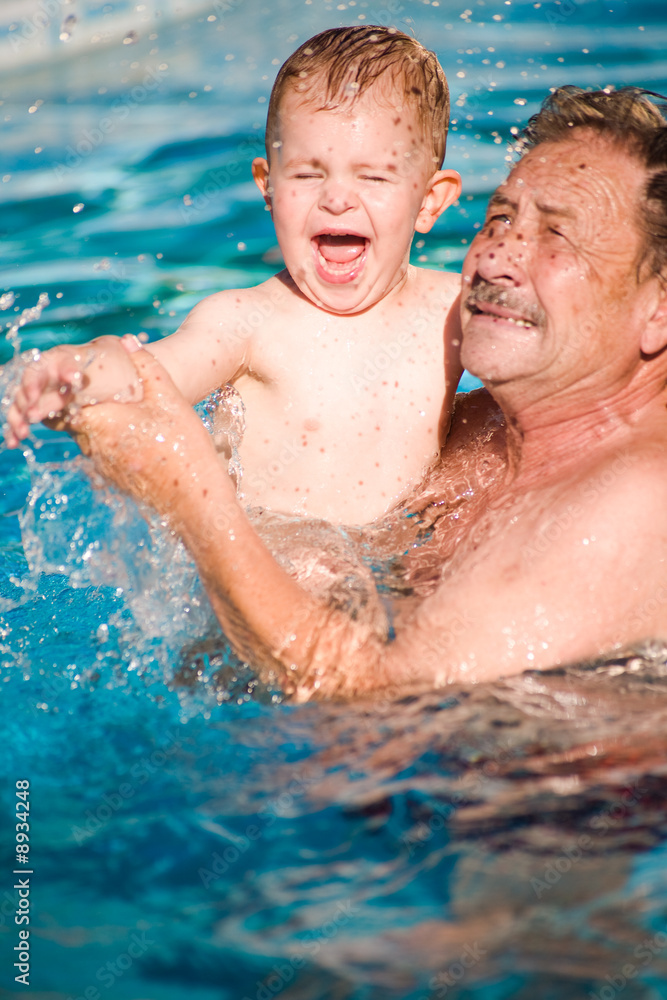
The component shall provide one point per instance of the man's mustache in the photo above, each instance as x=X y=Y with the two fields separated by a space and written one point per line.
x=508 y=298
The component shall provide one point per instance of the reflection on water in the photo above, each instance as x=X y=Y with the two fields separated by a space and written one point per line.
x=192 y=833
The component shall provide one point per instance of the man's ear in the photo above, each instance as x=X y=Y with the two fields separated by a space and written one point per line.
x=654 y=336
x=443 y=189
x=260 y=172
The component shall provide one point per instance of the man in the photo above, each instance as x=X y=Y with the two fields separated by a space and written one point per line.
x=561 y=553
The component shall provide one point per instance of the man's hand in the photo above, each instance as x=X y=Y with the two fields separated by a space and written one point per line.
x=67 y=375
x=155 y=449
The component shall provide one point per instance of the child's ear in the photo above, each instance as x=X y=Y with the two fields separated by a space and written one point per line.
x=654 y=336
x=260 y=171
x=443 y=189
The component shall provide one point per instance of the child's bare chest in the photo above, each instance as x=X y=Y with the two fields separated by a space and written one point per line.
x=341 y=426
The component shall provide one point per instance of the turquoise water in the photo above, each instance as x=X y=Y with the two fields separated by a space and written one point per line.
x=190 y=834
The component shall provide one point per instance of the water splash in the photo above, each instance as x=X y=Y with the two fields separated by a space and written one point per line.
x=28 y=315
x=223 y=415
x=76 y=526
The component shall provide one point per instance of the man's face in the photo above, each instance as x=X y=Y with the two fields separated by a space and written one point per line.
x=346 y=188
x=551 y=294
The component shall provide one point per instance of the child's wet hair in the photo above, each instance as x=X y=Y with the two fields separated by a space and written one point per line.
x=340 y=64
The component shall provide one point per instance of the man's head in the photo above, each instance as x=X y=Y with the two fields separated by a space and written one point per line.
x=563 y=287
x=337 y=66
x=628 y=119
x=355 y=135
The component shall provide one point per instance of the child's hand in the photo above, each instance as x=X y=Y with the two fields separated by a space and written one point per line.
x=68 y=374
x=47 y=387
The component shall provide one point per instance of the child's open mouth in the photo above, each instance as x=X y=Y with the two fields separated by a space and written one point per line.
x=339 y=257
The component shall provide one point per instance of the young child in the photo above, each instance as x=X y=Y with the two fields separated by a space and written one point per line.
x=347 y=360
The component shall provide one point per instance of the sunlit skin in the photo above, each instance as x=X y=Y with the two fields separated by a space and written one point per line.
x=562 y=556
x=361 y=170
x=562 y=246
x=347 y=367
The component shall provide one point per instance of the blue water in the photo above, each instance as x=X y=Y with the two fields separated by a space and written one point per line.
x=190 y=833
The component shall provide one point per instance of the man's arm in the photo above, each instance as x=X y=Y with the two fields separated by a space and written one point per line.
x=158 y=451
x=527 y=596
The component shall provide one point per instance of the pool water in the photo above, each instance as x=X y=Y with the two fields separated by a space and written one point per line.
x=191 y=834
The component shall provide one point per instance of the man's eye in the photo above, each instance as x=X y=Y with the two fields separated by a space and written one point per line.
x=499 y=217
x=556 y=232
x=496 y=223
x=373 y=177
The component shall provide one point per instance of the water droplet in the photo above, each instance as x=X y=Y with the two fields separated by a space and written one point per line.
x=67 y=27
x=130 y=38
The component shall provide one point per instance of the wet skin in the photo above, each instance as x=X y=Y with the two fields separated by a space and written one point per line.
x=567 y=558
x=362 y=170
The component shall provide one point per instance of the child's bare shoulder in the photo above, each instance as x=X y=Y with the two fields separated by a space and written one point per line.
x=232 y=305
x=440 y=287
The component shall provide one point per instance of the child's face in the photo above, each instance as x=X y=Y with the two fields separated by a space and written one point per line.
x=347 y=189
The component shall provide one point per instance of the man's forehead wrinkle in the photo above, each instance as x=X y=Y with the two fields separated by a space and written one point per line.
x=562 y=210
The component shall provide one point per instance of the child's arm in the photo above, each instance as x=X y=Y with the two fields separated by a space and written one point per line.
x=207 y=350
x=212 y=346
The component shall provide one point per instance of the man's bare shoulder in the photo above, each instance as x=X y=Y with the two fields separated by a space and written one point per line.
x=628 y=488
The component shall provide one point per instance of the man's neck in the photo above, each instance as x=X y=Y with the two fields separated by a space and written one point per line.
x=545 y=438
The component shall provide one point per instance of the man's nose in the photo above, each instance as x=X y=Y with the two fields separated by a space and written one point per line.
x=336 y=196
x=504 y=256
